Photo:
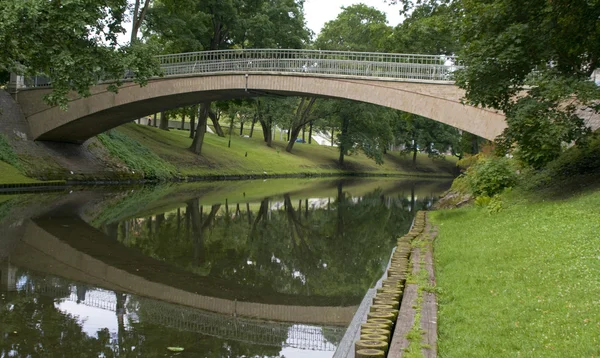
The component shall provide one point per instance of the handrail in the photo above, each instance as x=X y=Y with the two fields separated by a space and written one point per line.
x=317 y=62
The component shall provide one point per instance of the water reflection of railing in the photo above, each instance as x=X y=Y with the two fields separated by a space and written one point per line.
x=192 y=320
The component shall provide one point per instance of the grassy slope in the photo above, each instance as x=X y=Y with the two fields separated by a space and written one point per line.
x=10 y=174
x=218 y=159
x=523 y=282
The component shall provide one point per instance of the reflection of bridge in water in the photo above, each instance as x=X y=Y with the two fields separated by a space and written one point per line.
x=188 y=319
x=66 y=247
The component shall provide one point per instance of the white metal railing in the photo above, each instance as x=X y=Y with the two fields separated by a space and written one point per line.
x=341 y=63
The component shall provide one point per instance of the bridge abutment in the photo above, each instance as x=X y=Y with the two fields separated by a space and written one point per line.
x=8 y=276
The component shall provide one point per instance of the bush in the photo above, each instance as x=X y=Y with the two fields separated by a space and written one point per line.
x=8 y=154
x=489 y=176
x=581 y=159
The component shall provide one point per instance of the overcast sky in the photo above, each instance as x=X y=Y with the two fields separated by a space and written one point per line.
x=318 y=12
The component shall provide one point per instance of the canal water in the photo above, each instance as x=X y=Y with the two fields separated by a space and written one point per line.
x=274 y=268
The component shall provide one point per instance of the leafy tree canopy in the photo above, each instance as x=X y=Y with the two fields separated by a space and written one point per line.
x=72 y=42
x=532 y=60
x=357 y=28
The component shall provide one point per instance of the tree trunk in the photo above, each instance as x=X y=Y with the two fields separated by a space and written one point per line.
x=241 y=128
x=252 y=126
x=230 y=131
x=474 y=144
x=183 y=121
x=138 y=18
x=299 y=122
x=196 y=146
x=164 y=121
x=193 y=121
x=215 y=120
x=310 y=133
x=414 y=160
x=332 y=129
x=160 y=219
x=266 y=127
x=292 y=140
x=269 y=133
x=304 y=133
x=345 y=125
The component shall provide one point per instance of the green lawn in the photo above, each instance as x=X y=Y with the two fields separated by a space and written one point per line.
x=252 y=156
x=521 y=283
x=10 y=175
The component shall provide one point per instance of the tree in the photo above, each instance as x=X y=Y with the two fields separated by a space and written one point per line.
x=363 y=127
x=428 y=29
x=357 y=28
x=139 y=13
x=302 y=117
x=531 y=60
x=418 y=133
x=74 y=43
x=195 y=25
x=550 y=46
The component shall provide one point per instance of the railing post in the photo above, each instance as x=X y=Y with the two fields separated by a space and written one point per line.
x=16 y=83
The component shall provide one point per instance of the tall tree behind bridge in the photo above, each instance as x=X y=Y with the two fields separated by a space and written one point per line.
x=195 y=25
x=430 y=28
x=362 y=126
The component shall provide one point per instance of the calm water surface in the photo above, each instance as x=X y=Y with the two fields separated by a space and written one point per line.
x=243 y=269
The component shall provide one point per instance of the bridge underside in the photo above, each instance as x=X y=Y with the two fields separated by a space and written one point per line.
x=103 y=110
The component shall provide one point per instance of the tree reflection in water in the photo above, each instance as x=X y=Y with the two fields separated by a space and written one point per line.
x=334 y=247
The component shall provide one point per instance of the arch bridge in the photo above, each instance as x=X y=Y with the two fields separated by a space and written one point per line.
x=419 y=84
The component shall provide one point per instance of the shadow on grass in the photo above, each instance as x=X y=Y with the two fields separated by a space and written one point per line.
x=565 y=188
x=450 y=214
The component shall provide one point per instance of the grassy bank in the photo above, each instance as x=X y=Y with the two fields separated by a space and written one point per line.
x=521 y=282
x=252 y=156
x=138 y=152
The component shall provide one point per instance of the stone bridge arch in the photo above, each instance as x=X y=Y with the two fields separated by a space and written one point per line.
x=103 y=110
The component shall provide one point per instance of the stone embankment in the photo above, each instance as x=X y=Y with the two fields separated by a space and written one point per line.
x=402 y=318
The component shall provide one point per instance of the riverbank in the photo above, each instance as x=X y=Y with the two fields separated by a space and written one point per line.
x=134 y=153
x=522 y=281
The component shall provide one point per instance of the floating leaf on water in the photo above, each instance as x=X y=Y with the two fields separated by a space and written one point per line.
x=175 y=349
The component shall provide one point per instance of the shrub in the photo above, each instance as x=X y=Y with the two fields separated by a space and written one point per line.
x=583 y=158
x=461 y=185
x=489 y=176
x=8 y=154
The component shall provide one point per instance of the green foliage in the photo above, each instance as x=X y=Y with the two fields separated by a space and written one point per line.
x=492 y=205
x=364 y=127
x=489 y=176
x=136 y=156
x=357 y=28
x=468 y=161
x=196 y=25
x=461 y=185
x=549 y=46
x=8 y=154
x=482 y=200
x=429 y=136
x=578 y=161
x=429 y=29
x=584 y=158
x=540 y=123
x=72 y=42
